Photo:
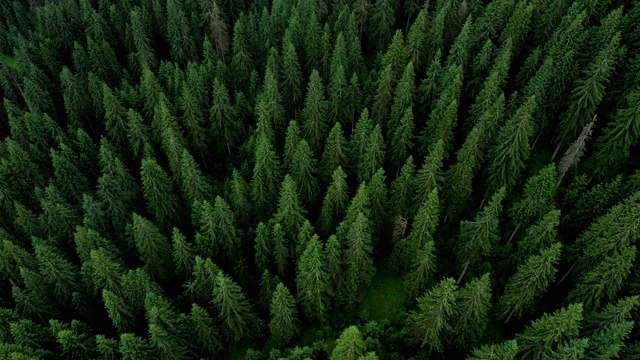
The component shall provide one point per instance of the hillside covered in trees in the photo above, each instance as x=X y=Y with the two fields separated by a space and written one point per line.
x=314 y=179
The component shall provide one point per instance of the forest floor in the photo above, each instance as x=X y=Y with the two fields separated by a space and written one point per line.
x=11 y=61
x=384 y=298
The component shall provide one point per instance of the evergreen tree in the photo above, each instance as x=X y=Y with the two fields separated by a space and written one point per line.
x=56 y=271
x=312 y=281
x=168 y=329
x=284 y=314
x=158 y=191
x=383 y=17
x=119 y=313
x=540 y=235
x=472 y=306
x=193 y=183
x=152 y=245
x=424 y=265
x=266 y=177
x=263 y=247
x=134 y=348
x=402 y=191
x=233 y=308
x=335 y=202
x=204 y=330
x=239 y=198
x=373 y=156
x=358 y=258
x=137 y=132
x=550 y=332
x=291 y=78
x=314 y=112
x=303 y=170
x=290 y=211
x=359 y=139
x=480 y=235
x=224 y=122
x=349 y=345
x=526 y=287
x=505 y=351
x=106 y=272
x=512 y=147
x=292 y=138
x=402 y=139
x=425 y=326
x=384 y=96
x=217 y=231
x=335 y=153
x=430 y=176
x=403 y=96
x=269 y=107
x=183 y=256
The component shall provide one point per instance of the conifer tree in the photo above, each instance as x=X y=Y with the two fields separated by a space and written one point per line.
x=312 y=281
x=291 y=140
x=359 y=139
x=134 y=348
x=168 y=329
x=106 y=272
x=373 y=156
x=153 y=247
x=304 y=236
x=115 y=115
x=217 y=228
x=550 y=332
x=314 y=113
x=204 y=329
x=58 y=272
x=284 y=314
x=402 y=190
x=430 y=176
x=444 y=115
x=193 y=183
x=425 y=326
x=234 y=310
x=505 y=351
x=480 y=235
x=384 y=96
x=512 y=147
x=526 y=287
x=383 y=17
x=290 y=211
x=291 y=78
x=403 y=96
x=335 y=153
x=338 y=91
x=118 y=311
x=263 y=247
x=145 y=53
x=602 y=282
x=416 y=45
x=269 y=103
x=158 y=191
x=358 y=258
x=402 y=139
x=540 y=235
x=430 y=85
x=472 y=306
x=459 y=52
x=377 y=195
x=539 y=191
x=183 y=256
x=281 y=248
x=303 y=171
x=423 y=265
x=239 y=198
x=335 y=202
x=70 y=179
x=137 y=132
x=266 y=177
x=224 y=122
x=349 y=345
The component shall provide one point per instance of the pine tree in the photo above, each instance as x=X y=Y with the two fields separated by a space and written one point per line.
x=70 y=179
x=550 y=332
x=505 y=351
x=183 y=256
x=137 y=132
x=444 y=115
x=402 y=191
x=224 y=122
x=239 y=198
x=382 y=20
x=430 y=176
x=145 y=53
x=335 y=153
x=217 y=231
x=304 y=236
x=416 y=45
x=602 y=282
x=303 y=171
x=234 y=310
x=292 y=138
x=358 y=258
x=266 y=177
x=423 y=265
x=312 y=281
x=459 y=52
x=525 y=288
x=158 y=191
x=377 y=195
x=118 y=311
x=168 y=330
x=480 y=235
x=425 y=325
x=290 y=211
x=193 y=183
x=204 y=330
x=134 y=348
x=373 y=156
x=384 y=96
x=291 y=78
x=314 y=112
x=115 y=115
x=335 y=202
x=613 y=146
x=269 y=103
x=106 y=272
x=539 y=191
x=349 y=345
x=402 y=139
x=263 y=247
x=58 y=272
x=512 y=147
x=430 y=85
x=284 y=314
x=540 y=235
x=153 y=247
x=403 y=97
x=359 y=139
x=472 y=306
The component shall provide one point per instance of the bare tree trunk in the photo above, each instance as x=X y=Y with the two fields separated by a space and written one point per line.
x=536 y=141
x=567 y=273
x=514 y=233
x=555 y=152
x=466 y=266
x=510 y=315
x=484 y=198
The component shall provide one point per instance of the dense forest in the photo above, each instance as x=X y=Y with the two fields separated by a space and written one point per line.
x=313 y=179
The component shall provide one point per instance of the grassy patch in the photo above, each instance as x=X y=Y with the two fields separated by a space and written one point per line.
x=11 y=61
x=385 y=297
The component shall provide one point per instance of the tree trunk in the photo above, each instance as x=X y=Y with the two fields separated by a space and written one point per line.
x=556 y=151
x=567 y=273
x=510 y=315
x=466 y=266
x=536 y=141
x=514 y=233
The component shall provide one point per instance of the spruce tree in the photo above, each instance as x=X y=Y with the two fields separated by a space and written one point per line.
x=204 y=330
x=402 y=139
x=217 y=231
x=158 y=191
x=303 y=171
x=335 y=153
x=472 y=307
x=183 y=256
x=525 y=288
x=358 y=258
x=403 y=97
x=402 y=191
x=266 y=177
x=335 y=202
x=168 y=330
x=423 y=265
x=193 y=183
x=233 y=308
x=505 y=351
x=314 y=113
x=426 y=324
x=153 y=247
x=312 y=281
x=224 y=122
x=541 y=235
x=284 y=315
x=291 y=141
x=118 y=311
x=373 y=156
x=291 y=84
x=550 y=332
x=134 y=348
x=359 y=139
x=349 y=345
x=290 y=211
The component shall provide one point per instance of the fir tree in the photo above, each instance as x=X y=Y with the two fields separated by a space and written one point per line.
x=118 y=311
x=314 y=112
x=425 y=326
x=193 y=183
x=540 y=235
x=335 y=152
x=505 y=351
x=217 y=231
x=402 y=190
x=550 y=332
x=373 y=156
x=424 y=265
x=266 y=177
x=402 y=139
x=153 y=247
x=526 y=287
x=290 y=211
x=472 y=306
x=224 y=122
x=335 y=202
x=284 y=314
x=349 y=345
x=292 y=139
x=359 y=139
x=263 y=247
x=183 y=256
x=233 y=308
x=158 y=191
x=291 y=78
x=239 y=198
x=204 y=330
x=312 y=281
x=134 y=348
x=303 y=170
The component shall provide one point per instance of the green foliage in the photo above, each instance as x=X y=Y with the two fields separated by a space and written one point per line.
x=284 y=314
